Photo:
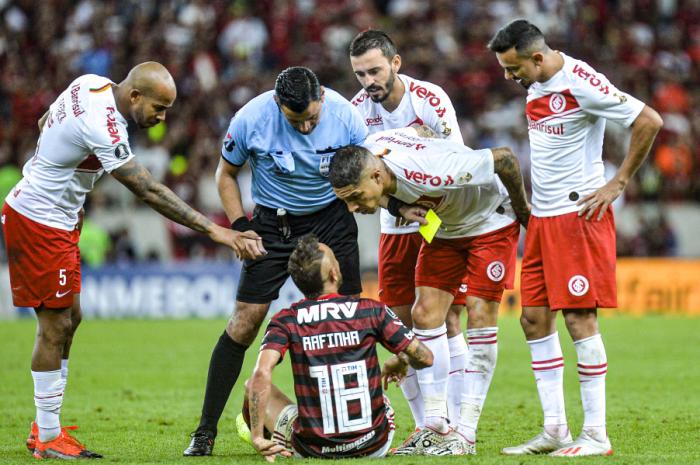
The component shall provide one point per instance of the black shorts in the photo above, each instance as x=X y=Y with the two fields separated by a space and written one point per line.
x=334 y=225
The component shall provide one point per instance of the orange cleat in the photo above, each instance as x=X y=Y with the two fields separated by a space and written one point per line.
x=33 y=434
x=65 y=446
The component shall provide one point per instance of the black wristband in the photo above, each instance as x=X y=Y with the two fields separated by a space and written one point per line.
x=394 y=205
x=242 y=224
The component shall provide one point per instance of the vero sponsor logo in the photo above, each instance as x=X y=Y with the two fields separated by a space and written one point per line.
x=318 y=312
x=425 y=178
x=432 y=99
x=112 y=125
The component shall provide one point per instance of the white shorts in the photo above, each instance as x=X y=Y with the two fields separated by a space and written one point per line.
x=284 y=426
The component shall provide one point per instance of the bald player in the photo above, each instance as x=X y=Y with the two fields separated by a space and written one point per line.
x=82 y=135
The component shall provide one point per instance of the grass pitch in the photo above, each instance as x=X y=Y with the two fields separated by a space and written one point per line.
x=136 y=387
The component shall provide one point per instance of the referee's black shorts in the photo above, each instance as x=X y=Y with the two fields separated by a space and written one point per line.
x=334 y=225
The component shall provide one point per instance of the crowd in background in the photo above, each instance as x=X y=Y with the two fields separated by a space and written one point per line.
x=223 y=53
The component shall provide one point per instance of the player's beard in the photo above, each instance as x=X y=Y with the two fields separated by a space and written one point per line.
x=389 y=86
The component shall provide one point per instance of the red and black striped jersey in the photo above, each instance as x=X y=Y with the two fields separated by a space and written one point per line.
x=337 y=377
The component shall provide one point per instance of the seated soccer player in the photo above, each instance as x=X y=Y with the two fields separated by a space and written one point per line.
x=341 y=410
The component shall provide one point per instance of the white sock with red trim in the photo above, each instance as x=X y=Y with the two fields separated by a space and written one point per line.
x=548 y=367
x=481 y=363
x=433 y=379
x=48 y=397
x=592 y=367
x=455 y=380
x=411 y=391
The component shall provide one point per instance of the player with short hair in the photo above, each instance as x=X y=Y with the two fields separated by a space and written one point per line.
x=83 y=134
x=288 y=135
x=389 y=100
x=331 y=339
x=479 y=236
x=569 y=259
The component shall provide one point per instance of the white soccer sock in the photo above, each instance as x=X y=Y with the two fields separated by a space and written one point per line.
x=411 y=391
x=64 y=368
x=481 y=363
x=548 y=367
x=592 y=367
x=455 y=380
x=433 y=379
x=48 y=397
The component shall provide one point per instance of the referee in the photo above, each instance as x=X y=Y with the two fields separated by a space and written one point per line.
x=288 y=136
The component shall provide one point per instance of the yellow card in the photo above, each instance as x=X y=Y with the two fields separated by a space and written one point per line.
x=429 y=230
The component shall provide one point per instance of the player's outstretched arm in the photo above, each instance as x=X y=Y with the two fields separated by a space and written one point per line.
x=139 y=181
x=258 y=392
x=416 y=354
x=507 y=167
x=644 y=130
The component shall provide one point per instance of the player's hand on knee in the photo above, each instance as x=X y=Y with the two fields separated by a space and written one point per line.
x=270 y=449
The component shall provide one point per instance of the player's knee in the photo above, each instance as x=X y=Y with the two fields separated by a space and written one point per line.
x=453 y=323
x=56 y=332
x=422 y=316
x=529 y=323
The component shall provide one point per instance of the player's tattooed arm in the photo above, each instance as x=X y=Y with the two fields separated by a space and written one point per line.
x=424 y=131
x=140 y=181
x=418 y=355
x=507 y=168
x=258 y=390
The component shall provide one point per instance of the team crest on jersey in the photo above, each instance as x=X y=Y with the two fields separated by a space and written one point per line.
x=623 y=98
x=121 y=151
x=465 y=178
x=463 y=288
x=557 y=103
x=446 y=130
x=496 y=271
x=578 y=285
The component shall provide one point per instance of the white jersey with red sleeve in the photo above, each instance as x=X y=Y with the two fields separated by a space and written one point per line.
x=423 y=103
x=566 y=122
x=458 y=183
x=84 y=135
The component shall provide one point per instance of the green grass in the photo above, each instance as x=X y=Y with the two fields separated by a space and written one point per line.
x=135 y=388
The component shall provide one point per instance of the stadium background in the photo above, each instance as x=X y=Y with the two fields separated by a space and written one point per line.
x=222 y=53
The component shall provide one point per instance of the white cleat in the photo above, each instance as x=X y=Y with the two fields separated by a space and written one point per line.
x=419 y=441
x=543 y=443
x=455 y=444
x=583 y=446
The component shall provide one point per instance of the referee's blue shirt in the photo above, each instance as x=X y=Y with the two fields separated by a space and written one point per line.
x=290 y=169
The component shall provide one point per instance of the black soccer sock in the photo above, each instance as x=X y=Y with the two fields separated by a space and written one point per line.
x=224 y=369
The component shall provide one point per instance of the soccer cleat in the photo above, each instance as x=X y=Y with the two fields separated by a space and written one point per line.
x=583 y=446
x=407 y=441
x=64 y=446
x=419 y=441
x=202 y=443
x=455 y=445
x=33 y=434
x=543 y=443
x=243 y=430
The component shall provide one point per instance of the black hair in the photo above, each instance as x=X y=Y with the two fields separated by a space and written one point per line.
x=519 y=33
x=304 y=266
x=297 y=87
x=367 y=40
x=347 y=165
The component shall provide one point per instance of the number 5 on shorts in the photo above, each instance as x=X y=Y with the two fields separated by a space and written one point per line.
x=62 y=277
